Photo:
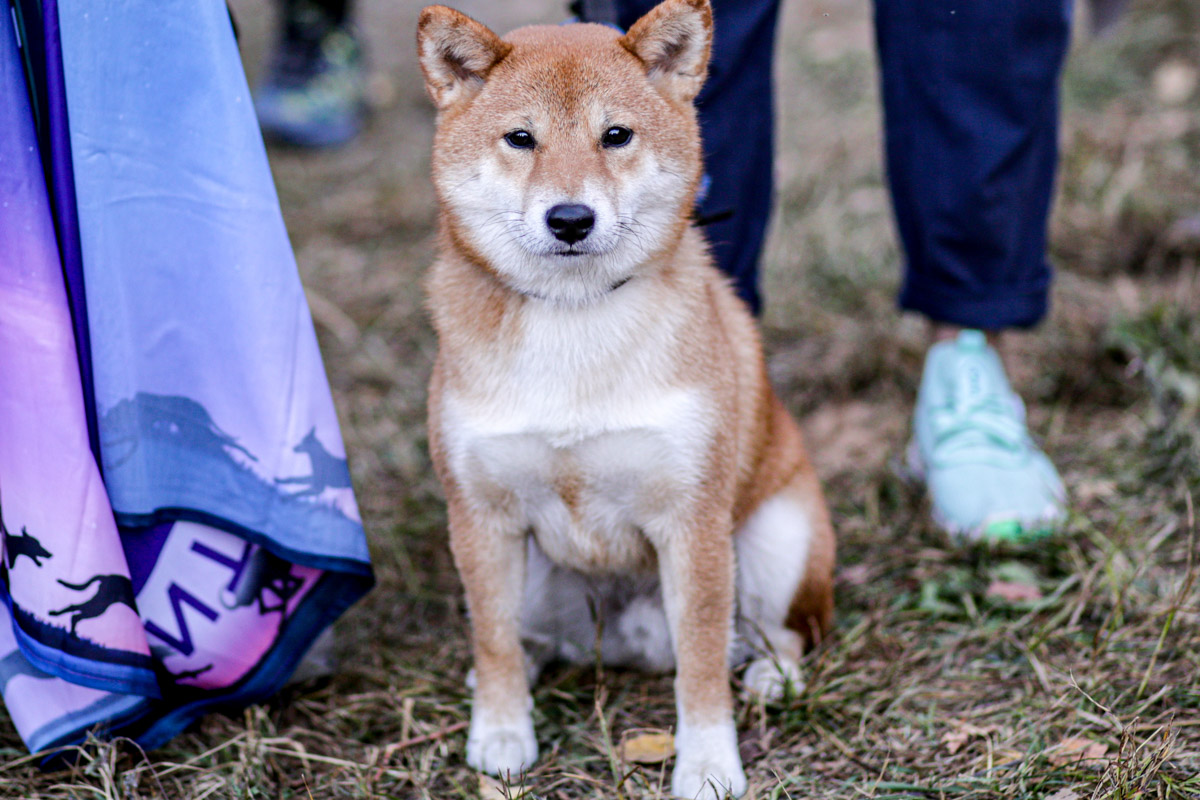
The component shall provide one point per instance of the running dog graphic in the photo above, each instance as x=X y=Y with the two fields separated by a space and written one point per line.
x=111 y=590
x=23 y=545
x=189 y=674
x=165 y=676
x=328 y=471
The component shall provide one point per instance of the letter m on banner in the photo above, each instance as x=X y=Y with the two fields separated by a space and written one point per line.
x=180 y=597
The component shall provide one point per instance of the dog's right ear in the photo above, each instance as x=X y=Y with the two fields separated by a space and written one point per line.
x=457 y=53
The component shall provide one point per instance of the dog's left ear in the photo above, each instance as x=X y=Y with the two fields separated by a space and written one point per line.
x=456 y=53
x=673 y=40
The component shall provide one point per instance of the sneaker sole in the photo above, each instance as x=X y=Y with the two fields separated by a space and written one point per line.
x=1000 y=527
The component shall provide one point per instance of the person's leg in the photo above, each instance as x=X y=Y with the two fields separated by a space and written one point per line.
x=970 y=97
x=736 y=122
x=312 y=94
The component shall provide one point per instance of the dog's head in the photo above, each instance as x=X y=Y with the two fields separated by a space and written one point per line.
x=566 y=157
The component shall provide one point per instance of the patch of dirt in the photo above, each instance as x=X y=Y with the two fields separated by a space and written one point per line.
x=854 y=436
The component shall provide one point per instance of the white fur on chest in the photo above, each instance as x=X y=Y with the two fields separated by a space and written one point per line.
x=579 y=436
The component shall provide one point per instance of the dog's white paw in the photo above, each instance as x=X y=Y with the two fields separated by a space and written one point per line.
x=707 y=763
x=501 y=749
x=768 y=678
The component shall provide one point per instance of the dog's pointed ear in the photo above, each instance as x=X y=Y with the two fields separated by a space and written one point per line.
x=673 y=40
x=456 y=53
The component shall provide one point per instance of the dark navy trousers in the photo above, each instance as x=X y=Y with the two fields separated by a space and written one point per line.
x=970 y=96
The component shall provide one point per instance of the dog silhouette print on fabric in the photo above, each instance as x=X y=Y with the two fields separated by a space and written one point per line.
x=111 y=590
x=23 y=545
x=328 y=471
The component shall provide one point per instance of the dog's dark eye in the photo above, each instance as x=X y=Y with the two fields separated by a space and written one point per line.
x=616 y=136
x=522 y=140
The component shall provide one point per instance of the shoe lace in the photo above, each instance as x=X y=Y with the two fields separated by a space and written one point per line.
x=977 y=415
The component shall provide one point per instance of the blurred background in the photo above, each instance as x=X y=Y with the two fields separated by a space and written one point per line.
x=1066 y=667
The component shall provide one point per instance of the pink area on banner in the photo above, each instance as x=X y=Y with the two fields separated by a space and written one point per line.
x=214 y=604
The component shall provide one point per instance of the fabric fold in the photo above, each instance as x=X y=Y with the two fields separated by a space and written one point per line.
x=63 y=562
x=218 y=535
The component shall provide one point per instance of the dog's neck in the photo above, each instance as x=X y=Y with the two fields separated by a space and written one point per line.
x=544 y=299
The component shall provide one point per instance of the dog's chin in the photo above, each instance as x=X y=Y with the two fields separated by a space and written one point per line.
x=567 y=275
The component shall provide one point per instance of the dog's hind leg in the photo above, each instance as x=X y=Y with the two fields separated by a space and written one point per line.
x=557 y=621
x=566 y=615
x=638 y=634
x=785 y=586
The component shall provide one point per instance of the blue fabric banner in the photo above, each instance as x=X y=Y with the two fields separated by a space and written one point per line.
x=218 y=534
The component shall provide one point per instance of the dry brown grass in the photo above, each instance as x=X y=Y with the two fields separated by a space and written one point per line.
x=940 y=681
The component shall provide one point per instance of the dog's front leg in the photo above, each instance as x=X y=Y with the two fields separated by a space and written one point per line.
x=697 y=576
x=491 y=560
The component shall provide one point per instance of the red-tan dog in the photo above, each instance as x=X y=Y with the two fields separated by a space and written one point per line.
x=599 y=413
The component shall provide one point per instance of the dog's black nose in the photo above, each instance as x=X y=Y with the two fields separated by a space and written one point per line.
x=570 y=223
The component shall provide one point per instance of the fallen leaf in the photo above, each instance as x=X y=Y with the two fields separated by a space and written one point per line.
x=1064 y=794
x=492 y=789
x=648 y=748
x=857 y=575
x=1074 y=749
x=1085 y=491
x=1011 y=592
x=954 y=740
x=963 y=732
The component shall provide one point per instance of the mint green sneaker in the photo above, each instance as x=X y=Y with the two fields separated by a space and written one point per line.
x=985 y=476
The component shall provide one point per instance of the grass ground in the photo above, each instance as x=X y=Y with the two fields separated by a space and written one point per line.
x=1065 y=669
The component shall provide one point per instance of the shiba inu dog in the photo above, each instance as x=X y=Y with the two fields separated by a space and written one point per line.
x=599 y=411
